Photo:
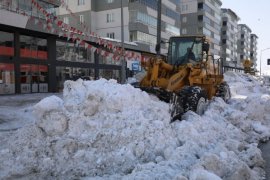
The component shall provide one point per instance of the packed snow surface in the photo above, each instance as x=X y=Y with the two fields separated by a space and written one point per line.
x=104 y=130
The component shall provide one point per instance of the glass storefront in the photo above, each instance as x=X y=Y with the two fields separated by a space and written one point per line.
x=108 y=60
x=33 y=47
x=66 y=51
x=110 y=74
x=34 y=78
x=7 y=79
x=72 y=73
x=6 y=44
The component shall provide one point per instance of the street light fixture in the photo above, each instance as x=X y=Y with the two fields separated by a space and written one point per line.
x=261 y=60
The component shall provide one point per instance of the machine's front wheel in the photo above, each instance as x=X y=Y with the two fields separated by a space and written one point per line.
x=194 y=99
x=190 y=98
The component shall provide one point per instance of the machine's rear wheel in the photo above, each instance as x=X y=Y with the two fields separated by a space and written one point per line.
x=191 y=98
x=224 y=91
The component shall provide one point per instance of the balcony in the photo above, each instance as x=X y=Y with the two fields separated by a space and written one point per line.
x=56 y=3
x=29 y=9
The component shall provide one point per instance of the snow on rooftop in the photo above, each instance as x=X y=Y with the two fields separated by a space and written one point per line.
x=104 y=130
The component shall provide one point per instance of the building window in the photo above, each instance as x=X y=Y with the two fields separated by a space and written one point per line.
x=223 y=41
x=184 y=7
x=81 y=2
x=200 y=6
x=81 y=18
x=66 y=20
x=6 y=44
x=66 y=51
x=33 y=78
x=200 y=18
x=143 y=37
x=224 y=23
x=184 y=31
x=241 y=56
x=110 y=17
x=64 y=73
x=33 y=47
x=184 y=19
x=110 y=35
x=109 y=74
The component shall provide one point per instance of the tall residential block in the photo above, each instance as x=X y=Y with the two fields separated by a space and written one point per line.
x=229 y=33
x=140 y=19
x=253 y=49
x=243 y=44
x=202 y=17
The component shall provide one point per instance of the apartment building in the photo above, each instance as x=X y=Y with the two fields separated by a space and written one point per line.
x=202 y=17
x=140 y=20
x=243 y=43
x=253 y=49
x=229 y=34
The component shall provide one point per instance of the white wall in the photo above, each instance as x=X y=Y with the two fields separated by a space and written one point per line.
x=188 y=6
x=99 y=21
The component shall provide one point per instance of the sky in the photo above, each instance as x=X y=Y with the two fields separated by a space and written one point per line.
x=256 y=15
x=105 y=130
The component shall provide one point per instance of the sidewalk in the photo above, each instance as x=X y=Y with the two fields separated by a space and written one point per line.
x=16 y=110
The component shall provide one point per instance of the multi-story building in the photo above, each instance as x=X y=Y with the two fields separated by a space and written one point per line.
x=253 y=49
x=202 y=17
x=243 y=43
x=229 y=33
x=140 y=19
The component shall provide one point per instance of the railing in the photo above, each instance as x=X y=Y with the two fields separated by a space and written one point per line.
x=234 y=69
x=19 y=10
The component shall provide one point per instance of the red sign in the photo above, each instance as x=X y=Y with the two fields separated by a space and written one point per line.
x=6 y=67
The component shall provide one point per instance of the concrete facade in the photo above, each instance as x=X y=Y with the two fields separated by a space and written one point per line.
x=140 y=20
x=254 y=49
x=243 y=43
x=229 y=34
x=202 y=17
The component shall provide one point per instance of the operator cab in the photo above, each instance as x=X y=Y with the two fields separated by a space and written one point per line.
x=183 y=50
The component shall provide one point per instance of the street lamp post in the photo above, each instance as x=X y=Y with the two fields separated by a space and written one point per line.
x=123 y=62
x=261 y=60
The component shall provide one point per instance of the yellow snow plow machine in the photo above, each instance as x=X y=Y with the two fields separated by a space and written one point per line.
x=187 y=78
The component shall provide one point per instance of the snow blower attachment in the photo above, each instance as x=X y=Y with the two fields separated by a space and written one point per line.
x=187 y=78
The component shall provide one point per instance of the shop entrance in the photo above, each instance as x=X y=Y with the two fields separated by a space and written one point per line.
x=34 y=78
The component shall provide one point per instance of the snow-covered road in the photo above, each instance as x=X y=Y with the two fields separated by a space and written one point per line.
x=103 y=130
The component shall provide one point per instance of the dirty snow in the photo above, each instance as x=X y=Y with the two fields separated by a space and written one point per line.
x=104 y=130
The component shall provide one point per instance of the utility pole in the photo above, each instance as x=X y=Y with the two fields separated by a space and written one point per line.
x=123 y=62
x=158 y=28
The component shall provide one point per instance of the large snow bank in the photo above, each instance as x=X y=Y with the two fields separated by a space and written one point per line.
x=103 y=130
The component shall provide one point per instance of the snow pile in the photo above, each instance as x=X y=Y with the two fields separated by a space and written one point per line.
x=103 y=130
